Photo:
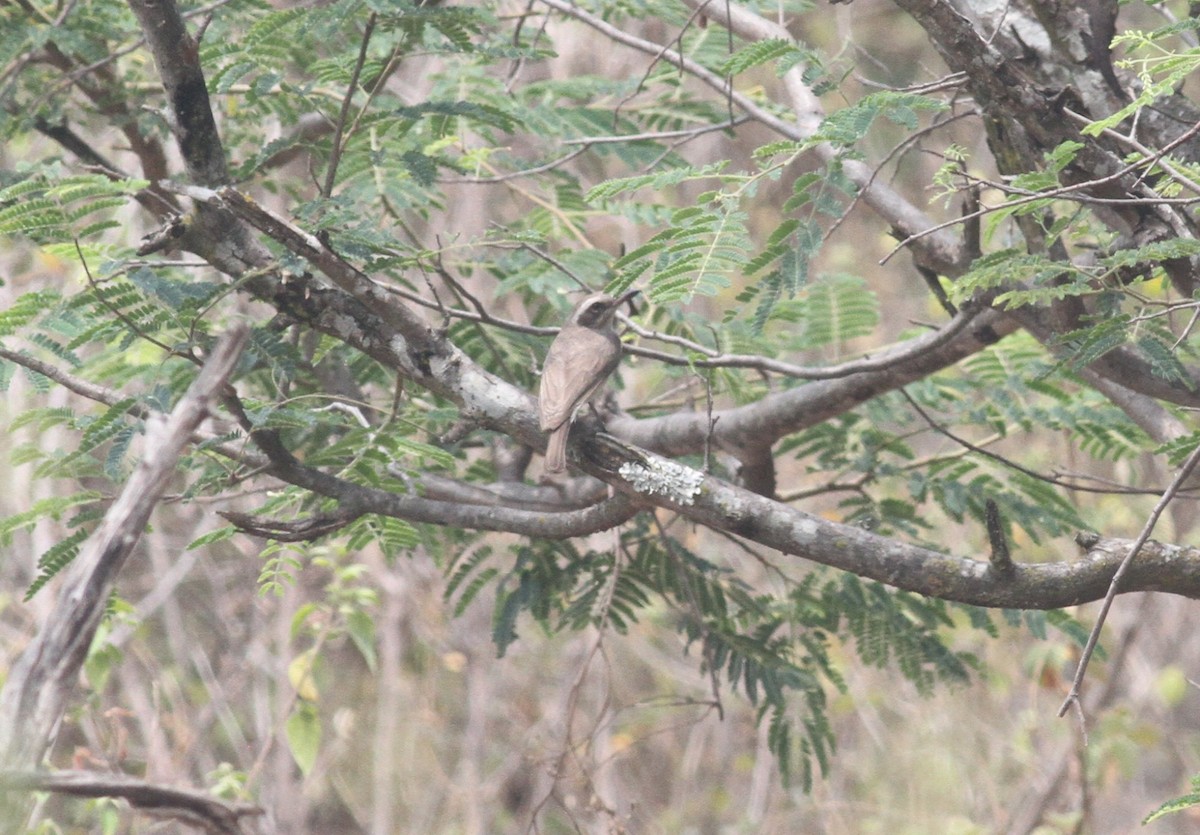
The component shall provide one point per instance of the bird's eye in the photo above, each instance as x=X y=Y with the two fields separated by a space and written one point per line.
x=592 y=313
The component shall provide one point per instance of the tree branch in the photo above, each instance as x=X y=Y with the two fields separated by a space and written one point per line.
x=494 y=402
x=177 y=57
x=367 y=317
x=710 y=502
x=33 y=696
x=335 y=149
x=432 y=361
x=191 y=807
x=775 y=415
x=357 y=499
x=883 y=359
x=1122 y=569
x=940 y=251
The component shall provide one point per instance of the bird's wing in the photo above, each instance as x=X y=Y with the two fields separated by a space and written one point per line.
x=574 y=368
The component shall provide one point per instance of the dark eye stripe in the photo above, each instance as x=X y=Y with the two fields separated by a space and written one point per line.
x=593 y=312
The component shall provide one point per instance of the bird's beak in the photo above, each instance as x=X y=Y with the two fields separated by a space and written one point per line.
x=627 y=296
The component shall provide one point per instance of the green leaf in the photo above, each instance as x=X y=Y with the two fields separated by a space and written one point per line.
x=1179 y=804
x=52 y=507
x=218 y=535
x=657 y=181
x=55 y=559
x=303 y=731
x=1164 y=363
x=847 y=125
x=25 y=309
x=839 y=307
x=762 y=52
x=361 y=628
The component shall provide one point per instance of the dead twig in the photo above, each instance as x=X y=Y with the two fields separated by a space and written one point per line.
x=1147 y=529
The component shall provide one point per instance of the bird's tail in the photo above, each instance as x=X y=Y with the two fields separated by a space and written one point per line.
x=556 y=450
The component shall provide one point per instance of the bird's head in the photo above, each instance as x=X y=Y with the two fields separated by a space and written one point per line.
x=597 y=310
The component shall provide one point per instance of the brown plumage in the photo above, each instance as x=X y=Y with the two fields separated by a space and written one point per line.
x=580 y=359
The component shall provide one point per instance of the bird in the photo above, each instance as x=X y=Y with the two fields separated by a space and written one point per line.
x=582 y=356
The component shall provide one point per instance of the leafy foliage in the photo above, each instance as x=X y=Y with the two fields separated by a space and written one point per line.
x=365 y=123
x=56 y=559
x=778 y=652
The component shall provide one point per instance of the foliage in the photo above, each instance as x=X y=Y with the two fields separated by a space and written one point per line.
x=737 y=253
x=1179 y=804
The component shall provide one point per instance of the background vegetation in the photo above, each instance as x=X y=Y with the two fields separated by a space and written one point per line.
x=912 y=377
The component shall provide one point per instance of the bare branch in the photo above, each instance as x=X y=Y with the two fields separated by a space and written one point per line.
x=885 y=358
x=709 y=501
x=1115 y=584
x=191 y=807
x=36 y=690
x=357 y=499
x=775 y=415
x=335 y=151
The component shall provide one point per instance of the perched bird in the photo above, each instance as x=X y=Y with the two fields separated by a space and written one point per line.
x=580 y=359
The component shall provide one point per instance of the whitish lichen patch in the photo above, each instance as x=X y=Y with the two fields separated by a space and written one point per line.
x=660 y=477
x=808 y=530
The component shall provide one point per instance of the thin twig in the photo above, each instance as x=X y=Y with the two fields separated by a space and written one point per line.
x=513 y=175
x=190 y=356
x=1013 y=465
x=693 y=68
x=654 y=136
x=335 y=151
x=883 y=360
x=1147 y=529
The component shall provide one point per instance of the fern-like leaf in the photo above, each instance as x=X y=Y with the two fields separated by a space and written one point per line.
x=839 y=308
x=56 y=558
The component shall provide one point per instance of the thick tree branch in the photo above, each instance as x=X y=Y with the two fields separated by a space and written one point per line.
x=496 y=403
x=775 y=415
x=357 y=499
x=716 y=504
x=177 y=57
x=432 y=361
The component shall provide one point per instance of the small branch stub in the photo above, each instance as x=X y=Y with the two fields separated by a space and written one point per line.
x=1001 y=558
